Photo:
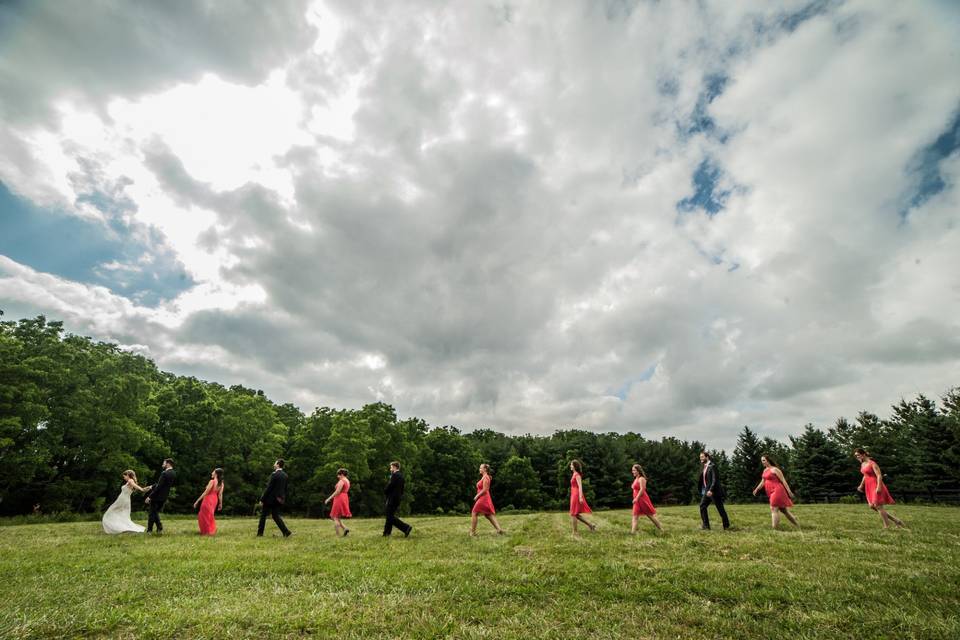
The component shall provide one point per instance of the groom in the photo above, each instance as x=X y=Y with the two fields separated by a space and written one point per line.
x=157 y=495
x=711 y=490
x=394 y=493
x=272 y=499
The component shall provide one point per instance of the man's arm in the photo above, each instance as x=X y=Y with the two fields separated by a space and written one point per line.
x=391 y=485
x=270 y=486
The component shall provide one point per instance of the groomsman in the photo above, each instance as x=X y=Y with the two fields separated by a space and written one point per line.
x=394 y=493
x=271 y=502
x=711 y=490
x=157 y=495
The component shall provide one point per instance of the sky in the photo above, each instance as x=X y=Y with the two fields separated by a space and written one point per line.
x=673 y=218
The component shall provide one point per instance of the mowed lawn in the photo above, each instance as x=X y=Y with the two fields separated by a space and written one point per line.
x=841 y=577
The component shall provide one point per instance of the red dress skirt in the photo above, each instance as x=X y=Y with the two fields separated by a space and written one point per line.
x=208 y=524
x=484 y=504
x=870 y=487
x=643 y=506
x=341 y=503
x=775 y=490
x=577 y=507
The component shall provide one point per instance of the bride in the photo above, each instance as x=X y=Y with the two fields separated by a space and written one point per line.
x=117 y=517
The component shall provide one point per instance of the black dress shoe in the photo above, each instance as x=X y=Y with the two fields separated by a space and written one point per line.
x=406 y=534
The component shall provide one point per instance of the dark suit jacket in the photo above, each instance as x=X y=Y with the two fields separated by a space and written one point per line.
x=710 y=481
x=394 y=490
x=161 y=489
x=276 y=491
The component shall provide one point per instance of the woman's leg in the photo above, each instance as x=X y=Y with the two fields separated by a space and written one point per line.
x=790 y=516
x=586 y=522
x=633 y=524
x=573 y=519
x=655 y=522
x=473 y=524
x=774 y=516
x=493 y=520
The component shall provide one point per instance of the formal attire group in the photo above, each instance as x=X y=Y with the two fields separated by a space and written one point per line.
x=117 y=518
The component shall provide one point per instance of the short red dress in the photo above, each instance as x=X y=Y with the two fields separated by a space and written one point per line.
x=576 y=507
x=870 y=487
x=484 y=504
x=775 y=490
x=341 y=504
x=643 y=506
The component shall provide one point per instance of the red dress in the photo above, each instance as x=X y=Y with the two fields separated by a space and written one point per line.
x=775 y=490
x=870 y=487
x=484 y=504
x=341 y=503
x=643 y=506
x=208 y=524
x=576 y=507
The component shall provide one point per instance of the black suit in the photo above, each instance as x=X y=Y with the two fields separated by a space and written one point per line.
x=710 y=481
x=158 y=496
x=272 y=501
x=394 y=493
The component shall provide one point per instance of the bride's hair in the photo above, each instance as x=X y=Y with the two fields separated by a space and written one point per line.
x=130 y=475
x=219 y=473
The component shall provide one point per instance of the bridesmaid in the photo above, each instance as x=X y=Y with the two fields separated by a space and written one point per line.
x=482 y=502
x=209 y=501
x=341 y=503
x=778 y=491
x=875 y=489
x=642 y=506
x=578 y=503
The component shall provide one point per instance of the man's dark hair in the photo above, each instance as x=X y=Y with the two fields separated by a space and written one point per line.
x=168 y=461
x=280 y=462
x=707 y=453
x=395 y=464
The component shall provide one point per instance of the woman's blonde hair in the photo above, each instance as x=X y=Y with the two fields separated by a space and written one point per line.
x=129 y=474
x=486 y=468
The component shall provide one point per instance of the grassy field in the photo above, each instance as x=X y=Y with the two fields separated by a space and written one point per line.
x=841 y=577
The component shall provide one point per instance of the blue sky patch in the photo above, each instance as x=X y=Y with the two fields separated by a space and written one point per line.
x=706 y=193
x=645 y=375
x=925 y=166
x=90 y=251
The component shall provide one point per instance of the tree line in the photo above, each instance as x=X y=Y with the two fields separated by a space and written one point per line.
x=75 y=413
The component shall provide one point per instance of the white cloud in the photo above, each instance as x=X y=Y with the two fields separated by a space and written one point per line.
x=470 y=211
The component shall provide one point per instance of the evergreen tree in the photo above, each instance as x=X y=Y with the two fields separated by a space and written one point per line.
x=819 y=467
x=745 y=467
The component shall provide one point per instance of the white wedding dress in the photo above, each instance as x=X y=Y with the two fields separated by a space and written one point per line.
x=117 y=518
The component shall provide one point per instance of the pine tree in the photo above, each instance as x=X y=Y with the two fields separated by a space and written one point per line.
x=745 y=468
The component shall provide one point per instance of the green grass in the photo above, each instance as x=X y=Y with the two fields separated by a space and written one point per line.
x=841 y=577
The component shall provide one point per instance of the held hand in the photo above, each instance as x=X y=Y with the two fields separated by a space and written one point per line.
x=147 y=500
x=709 y=494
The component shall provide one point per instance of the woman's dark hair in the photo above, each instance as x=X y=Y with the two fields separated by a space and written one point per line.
x=640 y=469
x=861 y=451
x=219 y=473
x=343 y=472
x=486 y=468
x=770 y=460
x=577 y=465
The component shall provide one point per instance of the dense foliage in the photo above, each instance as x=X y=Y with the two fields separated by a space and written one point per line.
x=74 y=413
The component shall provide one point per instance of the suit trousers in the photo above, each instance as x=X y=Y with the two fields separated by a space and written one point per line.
x=393 y=520
x=273 y=510
x=718 y=501
x=153 y=516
